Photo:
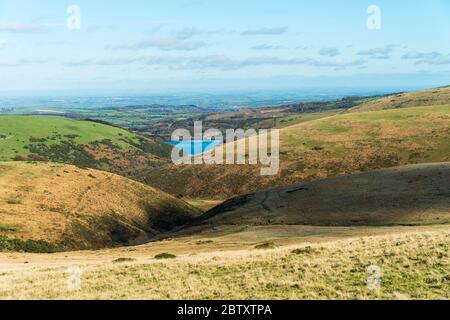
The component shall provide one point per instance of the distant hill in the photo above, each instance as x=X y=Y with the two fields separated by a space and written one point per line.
x=317 y=149
x=422 y=98
x=82 y=143
x=256 y=118
x=46 y=207
x=409 y=195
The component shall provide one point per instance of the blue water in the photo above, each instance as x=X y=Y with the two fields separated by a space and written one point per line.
x=194 y=147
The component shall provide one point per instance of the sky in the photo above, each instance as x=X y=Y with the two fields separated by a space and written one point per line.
x=139 y=46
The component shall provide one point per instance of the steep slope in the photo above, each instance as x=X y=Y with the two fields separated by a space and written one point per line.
x=422 y=98
x=410 y=195
x=54 y=206
x=82 y=143
x=327 y=147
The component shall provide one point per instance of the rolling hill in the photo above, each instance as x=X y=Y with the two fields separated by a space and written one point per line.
x=312 y=237
x=437 y=96
x=47 y=207
x=407 y=195
x=82 y=143
x=321 y=148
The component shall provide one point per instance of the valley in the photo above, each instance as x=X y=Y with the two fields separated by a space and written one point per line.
x=323 y=147
x=254 y=153
x=363 y=182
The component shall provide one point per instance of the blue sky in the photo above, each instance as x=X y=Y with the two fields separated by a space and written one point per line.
x=152 y=46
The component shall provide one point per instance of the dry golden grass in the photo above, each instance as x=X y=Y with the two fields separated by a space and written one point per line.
x=406 y=100
x=82 y=208
x=202 y=204
x=413 y=265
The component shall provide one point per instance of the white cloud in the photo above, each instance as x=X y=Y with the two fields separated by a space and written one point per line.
x=381 y=57
x=165 y=44
x=265 y=47
x=420 y=55
x=97 y=27
x=381 y=53
x=226 y=63
x=375 y=51
x=22 y=28
x=104 y=62
x=331 y=52
x=265 y=31
x=187 y=33
x=216 y=62
x=431 y=58
x=22 y=62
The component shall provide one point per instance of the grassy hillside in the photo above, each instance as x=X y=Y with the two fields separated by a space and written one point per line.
x=45 y=207
x=412 y=266
x=408 y=195
x=83 y=143
x=431 y=97
x=340 y=144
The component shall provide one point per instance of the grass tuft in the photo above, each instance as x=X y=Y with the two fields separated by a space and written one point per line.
x=14 y=201
x=7 y=228
x=266 y=246
x=165 y=255
x=122 y=260
x=306 y=250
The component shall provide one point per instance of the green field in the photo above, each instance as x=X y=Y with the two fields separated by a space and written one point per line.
x=86 y=144
x=18 y=133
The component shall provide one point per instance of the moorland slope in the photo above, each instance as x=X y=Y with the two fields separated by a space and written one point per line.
x=408 y=195
x=422 y=98
x=47 y=207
